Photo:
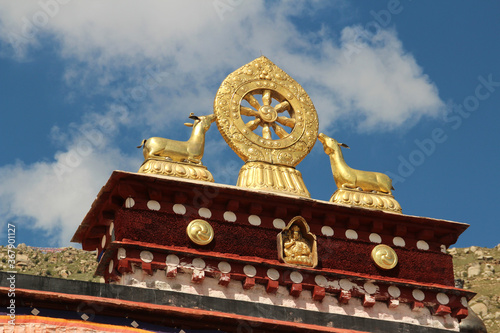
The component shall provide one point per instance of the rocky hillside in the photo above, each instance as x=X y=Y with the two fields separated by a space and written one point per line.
x=479 y=268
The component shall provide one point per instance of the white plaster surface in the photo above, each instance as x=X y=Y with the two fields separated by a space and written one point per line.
x=321 y=280
x=122 y=253
x=327 y=231
x=422 y=245
x=296 y=277
x=345 y=284
x=129 y=203
x=249 y=270
x=398 y=241
x=370 y=288
x=279 y=223
x=179 y=209
x=230 y=216
x=172 y=259
x=442 y=298
x=394 y=291
x=418 y=294
x=375 y=238
x=234 y=290
x=351 y=234
x=273 y=274
x=199 y=263
x=224 y=267
x=254 y=220
x=205 y=212
x=153 y=205
x=146 y=256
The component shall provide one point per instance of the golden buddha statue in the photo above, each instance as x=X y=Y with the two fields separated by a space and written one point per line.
x=297 y=250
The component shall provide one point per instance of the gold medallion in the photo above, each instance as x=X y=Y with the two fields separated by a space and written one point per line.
x=200 y=232
x=384 y=256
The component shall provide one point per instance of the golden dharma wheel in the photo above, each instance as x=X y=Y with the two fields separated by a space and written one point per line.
x=266 y=116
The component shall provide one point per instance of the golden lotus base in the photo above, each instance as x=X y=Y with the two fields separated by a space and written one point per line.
x=378 y=201
x=271 y=177
x=176 y=169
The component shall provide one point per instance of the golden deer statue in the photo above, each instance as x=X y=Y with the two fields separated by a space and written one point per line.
x=190 y=151
x=346 y=177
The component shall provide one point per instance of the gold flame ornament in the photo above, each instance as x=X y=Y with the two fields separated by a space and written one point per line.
x=268 y=119
x=384 y=256
x=200 y=232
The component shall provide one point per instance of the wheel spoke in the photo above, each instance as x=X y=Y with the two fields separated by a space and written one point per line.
x=283 y=106
x=253 y=102
x=266 y=97
x=279 y=131
x=253 y=124
x=289 y=122
x=266 y=131
x=248 y=112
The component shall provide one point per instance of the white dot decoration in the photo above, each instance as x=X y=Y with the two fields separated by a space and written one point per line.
x=442 y=298
x=111 y=265
x=122 y=254
x=179 y=209
x=375 y=238
x=172 y=259
x=229 y=216
x=422 y=245
x=443 y=248
x=279 y=223
x=146 y=256
x=153 y=205
x=463 y=300
x=398 y=241
x=345 y=284
x=273 y=274
x=199 y=263
x=103 y=241
x=224 y=267
x=249 y=271
x=111 y=228
x=418 y=294
x=394 y=291
x=296 y=277
x=254 y=220
x=327 y=231
x=129 y=203
x=370 y=288
x=320 y=280
x=205 y=212
x=351 y=234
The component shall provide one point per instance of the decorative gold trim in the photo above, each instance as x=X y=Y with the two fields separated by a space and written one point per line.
x=384 y=256
x=269 y=177
x=379 y=201
x=297 y=245
x=200 y=232
x=176 y=169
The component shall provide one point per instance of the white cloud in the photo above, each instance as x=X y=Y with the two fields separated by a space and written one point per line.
x=362 y=75
x=57 y=194
x=120 y=49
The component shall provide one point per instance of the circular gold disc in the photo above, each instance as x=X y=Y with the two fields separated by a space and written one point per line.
x=266 y=116
x=384 y=256
x=200 y=232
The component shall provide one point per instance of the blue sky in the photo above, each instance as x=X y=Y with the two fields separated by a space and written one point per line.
x=412 y=87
